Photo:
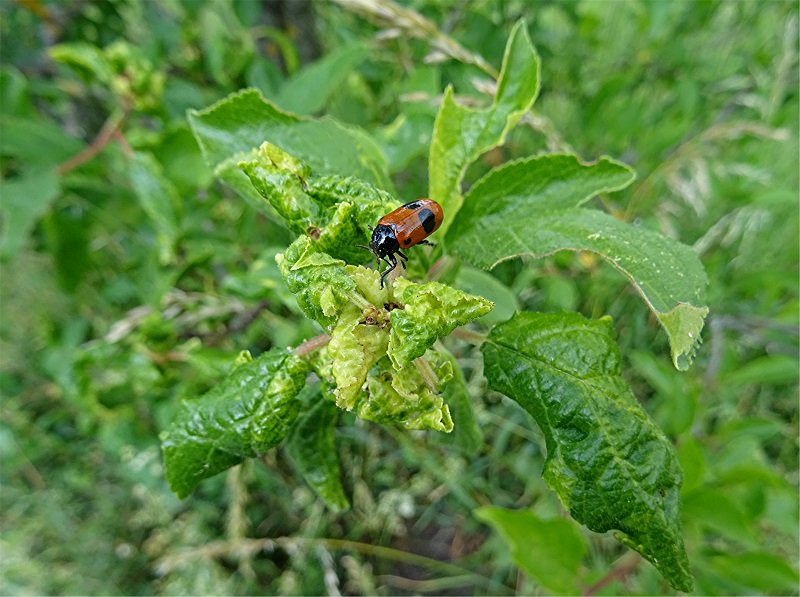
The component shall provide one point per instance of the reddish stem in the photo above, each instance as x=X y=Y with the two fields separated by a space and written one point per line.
x=110 y=127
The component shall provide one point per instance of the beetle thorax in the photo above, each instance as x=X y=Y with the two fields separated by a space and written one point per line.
x=384 y=242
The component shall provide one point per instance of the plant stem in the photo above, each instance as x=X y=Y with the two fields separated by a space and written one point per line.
x=312 y=344
x=110 y=127
x=470 y=336
x=625 y=566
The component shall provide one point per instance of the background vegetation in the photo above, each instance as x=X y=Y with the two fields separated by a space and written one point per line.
x=117 y=304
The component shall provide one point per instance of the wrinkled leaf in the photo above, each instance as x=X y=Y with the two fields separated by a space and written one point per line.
x=462 y=134
x=404 y=397
x=550 y=551
x=608 y=462
x=320 y=283
x=312 y=450
x=246 y=414
x=159 y=200
x=530 y=207
x=337 y=211
x=429 y=310
x=244 y=120
x=356 y=345
x=24 y=200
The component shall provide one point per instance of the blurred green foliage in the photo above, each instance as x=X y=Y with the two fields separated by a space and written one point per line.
x=116 y=305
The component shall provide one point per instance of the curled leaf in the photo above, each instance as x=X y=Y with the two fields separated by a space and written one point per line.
x=354 y=348
x=403 y=397
x=320 y=283
x=336 y=211
x=428 y=311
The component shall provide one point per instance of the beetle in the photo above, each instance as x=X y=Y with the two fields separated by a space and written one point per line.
x=408 y=225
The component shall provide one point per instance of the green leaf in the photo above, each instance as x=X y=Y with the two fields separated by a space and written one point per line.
x=530 y=207
x=244 y=120
x=312 y=450
x=354 y=348
x=758 y=571
x=245 y=415
x=36 y=142
x=408 y=399
x=608 y=462
x=715 y=510
x=309 y=90
x=772 y=369
x=320 y=283
x=86 y=57
x=429 y=310
x=550 y=551
x=462 y=134
x=467 y=435
x=339 y=212
x=25 y=199
x=547 y=182
x=476 y=281
x=159 y=200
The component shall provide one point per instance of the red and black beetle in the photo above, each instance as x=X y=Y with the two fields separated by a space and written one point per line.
x=405 y=227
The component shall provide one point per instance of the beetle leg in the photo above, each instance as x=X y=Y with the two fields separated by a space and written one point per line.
x=426 y=242
x=403 y=258
x=393 y=262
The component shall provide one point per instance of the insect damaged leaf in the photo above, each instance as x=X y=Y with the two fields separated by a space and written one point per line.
x=610 y=465
x=336 y=211
x=246 y=414
x=429 y=310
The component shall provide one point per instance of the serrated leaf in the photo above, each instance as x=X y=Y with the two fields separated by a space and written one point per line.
x=550 y=551
x=25 y=199
x=530 y=207
x=608 y=462
x=309 y=90
x=312 y=450
x=246 y=414
x=429 y=310
x=462 y=134
x=244 y=120
x=547 y=182
x=159 y=200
